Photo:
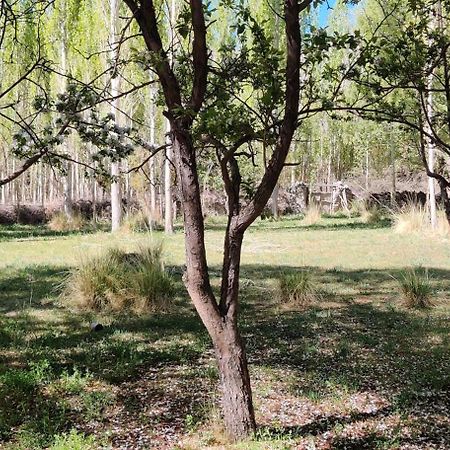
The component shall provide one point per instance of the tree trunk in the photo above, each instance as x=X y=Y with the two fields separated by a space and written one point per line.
x=116 y=191
x=237 y=406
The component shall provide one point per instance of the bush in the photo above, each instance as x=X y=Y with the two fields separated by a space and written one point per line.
x=74 y=441
x=297 y=289
x=416 y=288
x=118 y=281
x=312 y=214
x=62 y=222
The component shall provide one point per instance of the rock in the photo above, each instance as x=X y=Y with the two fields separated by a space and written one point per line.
x=95 y=326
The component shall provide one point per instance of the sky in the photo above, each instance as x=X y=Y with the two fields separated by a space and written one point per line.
x=324 y=12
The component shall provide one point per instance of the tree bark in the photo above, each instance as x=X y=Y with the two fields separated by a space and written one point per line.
x=236 y=390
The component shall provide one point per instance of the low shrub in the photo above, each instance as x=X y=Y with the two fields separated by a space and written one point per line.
x=416 y=288
x=74 y=440
x=297 y=289
x=118 y=281
x=62 y=222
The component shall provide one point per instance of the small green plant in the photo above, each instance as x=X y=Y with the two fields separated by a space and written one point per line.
x=94 y=403
x=74 y=440
x=416 y=288
x=297 y=289
x=74 y=382
x=118 y=281
x=62 y=222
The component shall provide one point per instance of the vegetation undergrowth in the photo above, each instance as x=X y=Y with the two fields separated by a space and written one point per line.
x=312 y=214
x=118 y=281
x=140 y=222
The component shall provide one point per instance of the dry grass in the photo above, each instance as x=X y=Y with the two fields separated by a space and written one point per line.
x=62 y=222
x=370 y=215
x=118 y=281
x=140 y=222
x=414 y=218
x=312 y=215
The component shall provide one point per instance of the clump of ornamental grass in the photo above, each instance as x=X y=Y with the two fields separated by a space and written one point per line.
x=442 y=225
x=312 y=214
x=60 y=221
x=118 y=281
x=297 y=289
x=416 y=289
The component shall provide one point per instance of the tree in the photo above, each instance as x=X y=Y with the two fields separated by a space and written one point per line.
x=219 y=317
x=405 y=78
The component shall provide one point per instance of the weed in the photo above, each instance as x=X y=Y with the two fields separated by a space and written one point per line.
x=74 y=382
x=140 y=222
x=74 y=440
x=371 y=215
x=94 y=403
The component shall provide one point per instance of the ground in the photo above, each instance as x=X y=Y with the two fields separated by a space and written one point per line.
x=353 y=370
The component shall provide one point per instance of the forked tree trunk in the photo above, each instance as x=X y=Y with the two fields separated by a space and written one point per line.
x=220 y=319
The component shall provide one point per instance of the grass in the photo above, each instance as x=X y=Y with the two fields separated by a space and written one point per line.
x=353 y=370
x=117 y=281
x=297 y=289
x=416 y=288
x=60 y=221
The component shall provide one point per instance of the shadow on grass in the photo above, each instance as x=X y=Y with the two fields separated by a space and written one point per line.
x=287 y=223
x=31 y=232
x=332 y=351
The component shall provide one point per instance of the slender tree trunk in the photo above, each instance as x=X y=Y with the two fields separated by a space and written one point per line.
x=168 y=197
x=116 y=189
x=68 y=181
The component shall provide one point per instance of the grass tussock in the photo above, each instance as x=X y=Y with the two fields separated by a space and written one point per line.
x=297 y=289
x=62 y=222
x=312 y=215
x=414 y=218
x=118 y=281
x=416 y=288
x=371 y=215
x=140 y=222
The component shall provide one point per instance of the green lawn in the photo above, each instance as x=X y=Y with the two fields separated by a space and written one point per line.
x=354 y=370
